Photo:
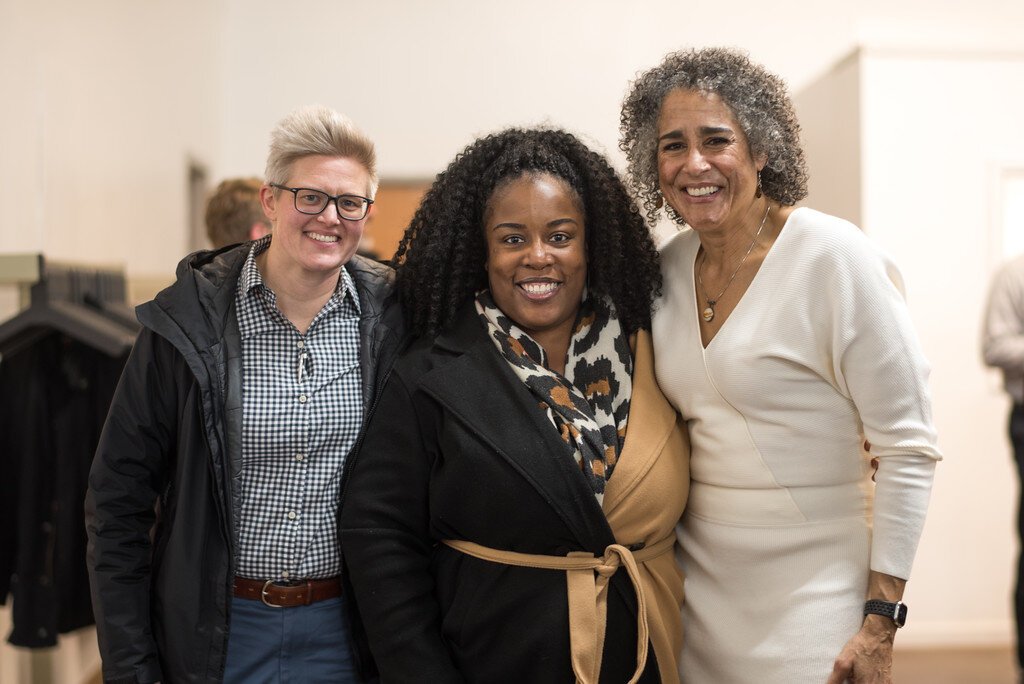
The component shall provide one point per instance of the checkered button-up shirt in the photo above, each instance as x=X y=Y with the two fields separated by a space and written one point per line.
x=301 y=414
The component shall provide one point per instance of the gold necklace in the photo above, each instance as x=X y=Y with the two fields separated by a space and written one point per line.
x=708 y=314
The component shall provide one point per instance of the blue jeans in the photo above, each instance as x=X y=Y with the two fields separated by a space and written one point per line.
x=278 y=645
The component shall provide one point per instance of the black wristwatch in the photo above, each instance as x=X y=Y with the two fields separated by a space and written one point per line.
x=897 y=612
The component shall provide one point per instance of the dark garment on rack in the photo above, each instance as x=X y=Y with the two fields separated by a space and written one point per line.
x=54 y=396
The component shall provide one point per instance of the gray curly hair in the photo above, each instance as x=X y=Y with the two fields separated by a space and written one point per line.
x=757 y=98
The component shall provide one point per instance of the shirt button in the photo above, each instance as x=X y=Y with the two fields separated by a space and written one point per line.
x=285 y=574
x=291 y=515
x=300 y=457
x=300 y=344
x=303 y=398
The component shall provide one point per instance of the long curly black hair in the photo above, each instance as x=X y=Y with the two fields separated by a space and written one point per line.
x=440 y=260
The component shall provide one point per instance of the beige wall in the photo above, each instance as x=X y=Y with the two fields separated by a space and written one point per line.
x=829 y=109
x=923 y=187
x=433 y=75
x=936 y=126
x=105 y=104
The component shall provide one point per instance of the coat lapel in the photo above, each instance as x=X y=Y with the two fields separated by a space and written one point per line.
x=482 y=391
x=651 y=421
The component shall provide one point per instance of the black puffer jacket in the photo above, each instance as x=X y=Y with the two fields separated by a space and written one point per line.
x=163 y=500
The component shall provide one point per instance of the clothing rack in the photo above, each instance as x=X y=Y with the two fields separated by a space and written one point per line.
x=60 y=358
x=87 y=304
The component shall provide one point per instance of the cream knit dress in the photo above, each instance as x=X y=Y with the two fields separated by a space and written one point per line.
x=818 y=355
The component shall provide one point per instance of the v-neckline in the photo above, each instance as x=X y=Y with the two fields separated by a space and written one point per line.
x=743 y=297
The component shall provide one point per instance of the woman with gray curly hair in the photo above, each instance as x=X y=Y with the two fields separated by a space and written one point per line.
x=783 y=339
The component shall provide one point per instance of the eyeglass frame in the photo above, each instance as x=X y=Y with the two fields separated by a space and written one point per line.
x=330 y=198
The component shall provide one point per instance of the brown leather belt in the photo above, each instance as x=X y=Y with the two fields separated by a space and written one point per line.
x=294 y=593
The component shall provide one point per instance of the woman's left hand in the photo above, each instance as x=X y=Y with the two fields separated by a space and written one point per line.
x=867 y=657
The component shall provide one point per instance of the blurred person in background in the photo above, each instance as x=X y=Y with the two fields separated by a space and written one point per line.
x=234 y=213
x=1003 y=348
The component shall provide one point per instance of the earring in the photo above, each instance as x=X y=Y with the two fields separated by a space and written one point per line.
x=758 y=193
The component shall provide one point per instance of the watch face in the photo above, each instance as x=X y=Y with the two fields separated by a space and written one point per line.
x=901 y=614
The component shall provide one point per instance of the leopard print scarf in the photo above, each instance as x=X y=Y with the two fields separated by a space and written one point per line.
x=589 y=405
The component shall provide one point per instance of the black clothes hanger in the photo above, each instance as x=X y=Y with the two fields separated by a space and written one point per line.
x=105 y=292
x=80 y=303
x=118 y=312
x=74 y=320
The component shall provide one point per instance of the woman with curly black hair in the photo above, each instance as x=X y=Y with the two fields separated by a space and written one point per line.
x=485 y=534
x=783 y=339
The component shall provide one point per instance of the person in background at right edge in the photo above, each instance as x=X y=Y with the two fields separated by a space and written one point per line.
x=1003 y=348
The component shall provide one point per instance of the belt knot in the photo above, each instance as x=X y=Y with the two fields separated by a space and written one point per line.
x=612 y=560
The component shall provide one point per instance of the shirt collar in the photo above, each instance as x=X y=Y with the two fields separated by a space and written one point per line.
x=251 y=278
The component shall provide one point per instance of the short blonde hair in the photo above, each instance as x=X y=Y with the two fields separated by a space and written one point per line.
x=318 y=130
x=232 y=210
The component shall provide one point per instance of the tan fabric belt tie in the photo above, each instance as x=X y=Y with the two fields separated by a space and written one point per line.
x=587 y=578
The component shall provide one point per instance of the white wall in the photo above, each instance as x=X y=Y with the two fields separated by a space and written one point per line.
x=922 y=184
x=936 y=126
x=829 y=110
x=431 y=76
x=105 y=103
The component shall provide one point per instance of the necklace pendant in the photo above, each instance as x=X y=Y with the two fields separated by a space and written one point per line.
x=708 y=314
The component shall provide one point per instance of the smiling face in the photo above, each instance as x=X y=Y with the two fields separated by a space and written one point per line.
x=705 y=168
x=536 y=256
x=306 y=246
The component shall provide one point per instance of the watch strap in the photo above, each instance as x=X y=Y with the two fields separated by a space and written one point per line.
x=897 y=612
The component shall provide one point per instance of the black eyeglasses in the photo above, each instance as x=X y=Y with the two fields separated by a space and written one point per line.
x=313 y=202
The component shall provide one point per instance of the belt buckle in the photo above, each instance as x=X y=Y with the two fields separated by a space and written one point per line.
x=263 y=595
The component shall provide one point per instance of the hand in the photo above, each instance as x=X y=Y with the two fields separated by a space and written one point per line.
x=867 y=657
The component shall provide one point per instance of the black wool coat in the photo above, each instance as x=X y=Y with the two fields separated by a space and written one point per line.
x=457 y=448
x=54 y=396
